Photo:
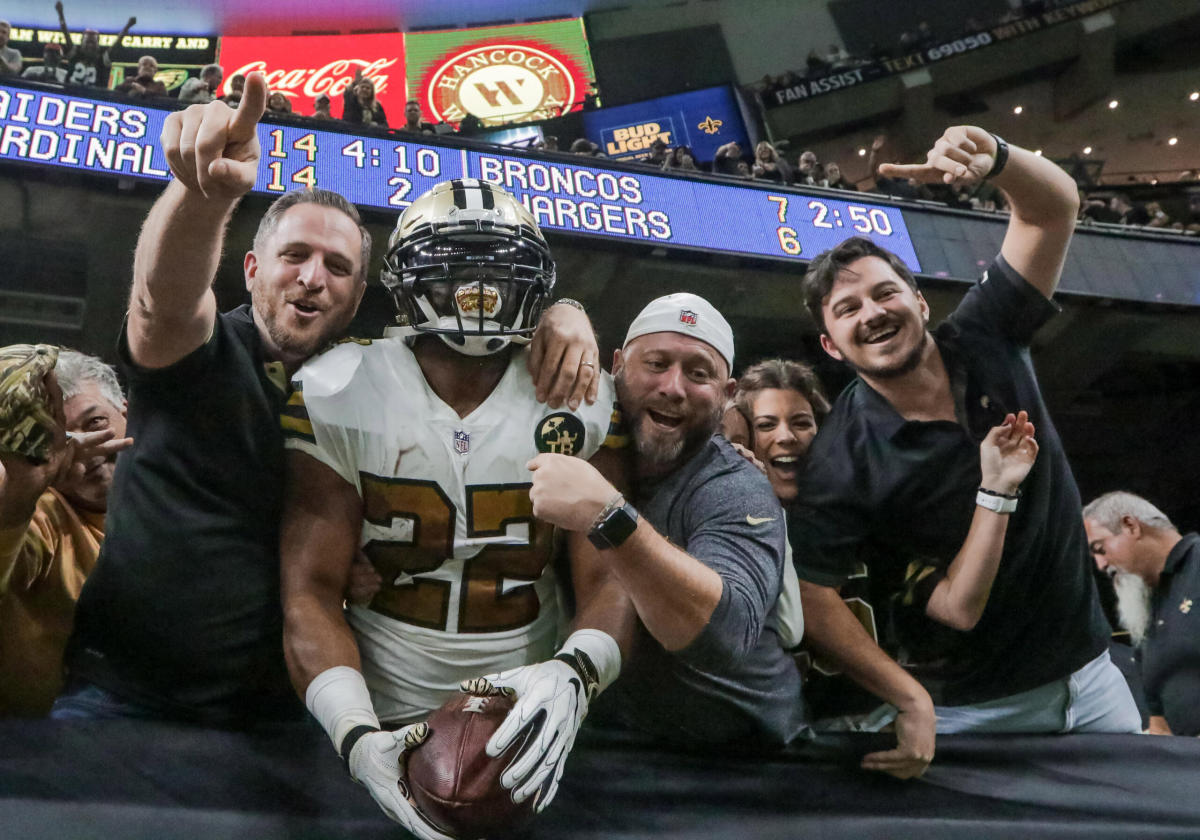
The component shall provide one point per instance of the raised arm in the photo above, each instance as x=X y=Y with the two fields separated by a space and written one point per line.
x=1044 y=199
x=62 y=25
x=120 y=37
x=213 y=153
x=1006 y=456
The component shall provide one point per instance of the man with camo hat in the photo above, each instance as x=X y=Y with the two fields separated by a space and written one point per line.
x=62 y=421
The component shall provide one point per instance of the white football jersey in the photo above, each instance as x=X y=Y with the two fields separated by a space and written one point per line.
x=468 y=587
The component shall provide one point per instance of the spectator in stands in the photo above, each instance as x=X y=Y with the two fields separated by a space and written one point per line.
x=681 y=157
x=53 y=499
x=1128 y=212
x=1191 y=222
x=888 y=476
x=742 y=170
x=658 y=154
x=833 y=178
x=87 y=64
x=144 y=84
x=359 y=105
x=808 y=169
x=726 y=159
x=701 y=559
x=279 y=105
x=584 y=146
x=1156 y=571
x=413 y=124
x=837 y=57
x=1158 y=216
x=768 y=165
x=470 y=125
x=52 y=68
x=321 y=105
x=237 y=83
x=10 y=59
x=550 y=143
x=203 y=88
x=1097 y=209
x=816 y=64
x=984 y=196
x=925 y=37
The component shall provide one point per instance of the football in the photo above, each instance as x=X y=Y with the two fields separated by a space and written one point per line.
x=454 y=782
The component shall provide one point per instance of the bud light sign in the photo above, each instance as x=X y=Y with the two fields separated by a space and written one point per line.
x=303 y=67
x=703 y=120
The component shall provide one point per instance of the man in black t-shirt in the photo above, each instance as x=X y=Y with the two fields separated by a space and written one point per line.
x=181 y=617
x=87 y=64
x=893 y=477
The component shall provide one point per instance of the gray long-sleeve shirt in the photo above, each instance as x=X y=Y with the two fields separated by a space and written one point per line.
x=734 y=684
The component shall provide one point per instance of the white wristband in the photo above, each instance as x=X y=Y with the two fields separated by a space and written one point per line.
x=339 y=700
x=599 y=647
x=992 y=502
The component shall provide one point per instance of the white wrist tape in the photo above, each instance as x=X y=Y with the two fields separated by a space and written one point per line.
x=995 y=502
x=601 y=649
x=339 y=700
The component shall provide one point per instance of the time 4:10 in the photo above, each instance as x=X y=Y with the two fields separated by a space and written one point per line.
x=429 y=163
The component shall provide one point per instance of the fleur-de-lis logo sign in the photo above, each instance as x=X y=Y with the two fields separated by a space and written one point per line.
x=710 y=126
x=1186 y=606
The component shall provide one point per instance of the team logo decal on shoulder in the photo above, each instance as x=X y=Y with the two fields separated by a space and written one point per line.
x=462 y=442
x=560 y=433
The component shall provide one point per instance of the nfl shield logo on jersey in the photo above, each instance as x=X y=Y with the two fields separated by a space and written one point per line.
x=462 y=442
x=687 y=316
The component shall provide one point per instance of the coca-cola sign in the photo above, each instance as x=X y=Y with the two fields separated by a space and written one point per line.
x=303 y=67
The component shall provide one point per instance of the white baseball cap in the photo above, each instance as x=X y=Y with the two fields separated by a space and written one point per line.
x=686 y=314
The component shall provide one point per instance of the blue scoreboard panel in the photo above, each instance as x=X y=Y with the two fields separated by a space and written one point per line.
x=52 y=127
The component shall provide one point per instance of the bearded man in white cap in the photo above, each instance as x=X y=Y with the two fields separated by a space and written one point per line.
x=698 y=545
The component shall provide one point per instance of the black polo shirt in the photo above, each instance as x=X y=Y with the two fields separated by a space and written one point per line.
x=182 y=612
x=899 y=496
x=1171 y=652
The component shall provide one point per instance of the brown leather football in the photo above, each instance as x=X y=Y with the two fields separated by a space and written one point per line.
x=454 y=782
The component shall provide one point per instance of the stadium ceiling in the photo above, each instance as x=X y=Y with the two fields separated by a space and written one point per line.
x=273 y=17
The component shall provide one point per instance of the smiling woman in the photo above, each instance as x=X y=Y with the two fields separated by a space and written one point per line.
x=782 y=403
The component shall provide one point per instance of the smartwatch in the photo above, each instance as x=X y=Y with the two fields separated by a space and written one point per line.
x=614 y=526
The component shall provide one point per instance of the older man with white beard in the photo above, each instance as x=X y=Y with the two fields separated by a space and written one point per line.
x=1156 y=574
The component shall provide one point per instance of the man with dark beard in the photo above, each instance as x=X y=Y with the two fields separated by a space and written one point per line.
x=701 y=557
x=895 y=476
x=1156 y=575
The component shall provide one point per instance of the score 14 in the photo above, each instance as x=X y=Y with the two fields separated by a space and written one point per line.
x=306 y=176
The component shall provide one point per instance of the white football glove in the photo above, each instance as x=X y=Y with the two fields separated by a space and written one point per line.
x=377 y=762
x=338 y=698
x=559 y=691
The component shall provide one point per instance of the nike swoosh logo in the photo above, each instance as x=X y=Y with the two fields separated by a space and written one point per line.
x=758 y=520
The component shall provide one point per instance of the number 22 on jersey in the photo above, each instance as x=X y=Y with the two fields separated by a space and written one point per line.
x=483 y=604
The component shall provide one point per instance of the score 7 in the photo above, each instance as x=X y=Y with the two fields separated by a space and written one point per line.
x=782 y=201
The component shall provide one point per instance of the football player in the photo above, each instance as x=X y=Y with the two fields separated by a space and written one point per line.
x=414 y=449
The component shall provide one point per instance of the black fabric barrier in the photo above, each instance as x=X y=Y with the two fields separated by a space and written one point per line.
x=131 y=780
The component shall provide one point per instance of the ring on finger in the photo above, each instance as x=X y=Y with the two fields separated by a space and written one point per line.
x=586 y=364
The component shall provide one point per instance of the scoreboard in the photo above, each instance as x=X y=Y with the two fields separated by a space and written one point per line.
x=573 y=195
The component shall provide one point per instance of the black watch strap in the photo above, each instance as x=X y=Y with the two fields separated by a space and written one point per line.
x=616 y=527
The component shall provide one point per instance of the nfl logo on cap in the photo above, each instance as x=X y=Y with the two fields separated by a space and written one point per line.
x=687 y=316
x=462 y=442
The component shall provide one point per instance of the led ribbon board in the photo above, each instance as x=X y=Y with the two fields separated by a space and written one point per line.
x=50 y=128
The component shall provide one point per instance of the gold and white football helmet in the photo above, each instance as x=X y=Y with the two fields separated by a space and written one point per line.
x=468 y=263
